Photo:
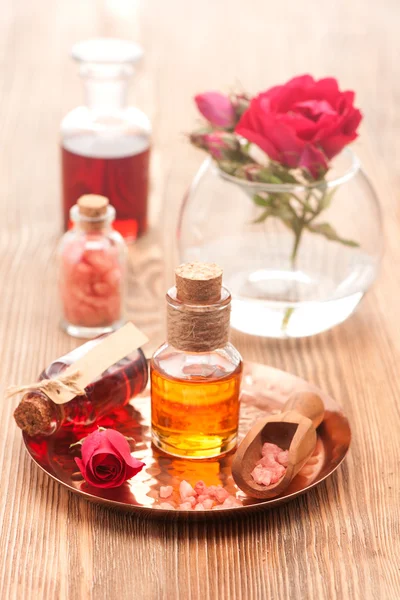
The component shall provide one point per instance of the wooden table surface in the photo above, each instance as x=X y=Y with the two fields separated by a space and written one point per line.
x=342 y=539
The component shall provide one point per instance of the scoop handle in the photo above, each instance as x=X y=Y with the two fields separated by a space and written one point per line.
x=308 y=404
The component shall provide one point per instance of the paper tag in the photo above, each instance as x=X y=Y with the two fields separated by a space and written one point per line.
x=105 y=354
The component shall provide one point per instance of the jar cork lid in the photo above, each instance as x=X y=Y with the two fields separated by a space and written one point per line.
x=198 y=308
x=93 y=206
x=198 y=283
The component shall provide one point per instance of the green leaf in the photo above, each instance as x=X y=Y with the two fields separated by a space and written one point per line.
x=327 y=231
x=284 y=174
x=265 y=176
x=326 y=200
x=264 y=215
x=260 y=200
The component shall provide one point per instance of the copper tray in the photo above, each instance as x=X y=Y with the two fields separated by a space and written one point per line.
x=264 y=390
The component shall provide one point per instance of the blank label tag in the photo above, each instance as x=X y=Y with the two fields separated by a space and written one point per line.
x=109 y=351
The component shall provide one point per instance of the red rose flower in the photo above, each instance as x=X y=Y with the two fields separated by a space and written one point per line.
x=303 y=123
x=106 y=459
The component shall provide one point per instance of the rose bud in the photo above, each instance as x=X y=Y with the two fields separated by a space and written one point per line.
x=106 y=459
x=220 y=144
x=217 y=109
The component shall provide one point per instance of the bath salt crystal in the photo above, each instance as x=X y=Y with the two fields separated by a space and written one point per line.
x=165 y=506
x=270 y=449
x=283 y=458
x=231 y=501
x=166 y=491
x=192 y=500
x=200 y=488
x=271 y=466
x=221 y=494
x=199 y=497
x=203 y=497
x=186 y=490
x=185 y=506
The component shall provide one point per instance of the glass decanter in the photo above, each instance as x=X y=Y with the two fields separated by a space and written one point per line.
x=105 y=144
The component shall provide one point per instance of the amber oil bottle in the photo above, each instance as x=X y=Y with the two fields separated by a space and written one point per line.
x=196 y=374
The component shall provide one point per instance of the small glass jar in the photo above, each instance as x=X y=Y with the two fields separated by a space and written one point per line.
x=195 y=379
x=92 y=275
x=105 y=144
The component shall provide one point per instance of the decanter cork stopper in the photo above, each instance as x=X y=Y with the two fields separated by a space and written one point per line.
x=198 y=283
x=93 y=206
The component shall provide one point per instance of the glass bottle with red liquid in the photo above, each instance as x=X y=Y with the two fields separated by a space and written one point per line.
x=105 y=145
x=37 y=415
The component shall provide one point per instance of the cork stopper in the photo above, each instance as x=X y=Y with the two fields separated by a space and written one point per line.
x=93 y=206
x=198 y=309
x=33 y=414
x=198 y=283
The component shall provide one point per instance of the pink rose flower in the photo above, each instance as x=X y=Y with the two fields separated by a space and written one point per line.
x=106 y=459
x=216 y=108
x=303 y=123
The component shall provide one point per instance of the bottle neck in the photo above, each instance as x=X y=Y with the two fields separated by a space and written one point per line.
x=106 y=87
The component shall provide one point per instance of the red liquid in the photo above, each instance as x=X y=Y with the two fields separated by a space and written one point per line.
x=123 y=180
x=109 y=393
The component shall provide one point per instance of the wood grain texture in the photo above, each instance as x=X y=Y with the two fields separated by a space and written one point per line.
x=341 y=540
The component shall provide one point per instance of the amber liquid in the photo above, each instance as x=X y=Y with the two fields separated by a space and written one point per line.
x=124 y=180
x=195 y=417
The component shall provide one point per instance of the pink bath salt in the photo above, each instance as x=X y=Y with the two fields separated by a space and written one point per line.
x=230 y=502
x=272 y=465
x=261 y=475
x=211 y=490
x=82 y=272
x=90 y=285
x=102 y=289
x=277 y=473
x=267 y=461
x=200 y=488
x=192 y=500
x=202 y=498
x=165 y=506
x=185 y=506
x=283 y=458
x=221 y=494
x=101 y=260
x=208 y=503
x=199 y=506
x=166 y=491
x=113 y=277
x=270 y=449
x=186 y=490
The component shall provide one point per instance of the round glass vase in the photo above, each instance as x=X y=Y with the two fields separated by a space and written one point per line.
x=297 y=258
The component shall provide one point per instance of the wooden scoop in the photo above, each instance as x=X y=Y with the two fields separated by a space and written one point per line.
x=294 y=429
